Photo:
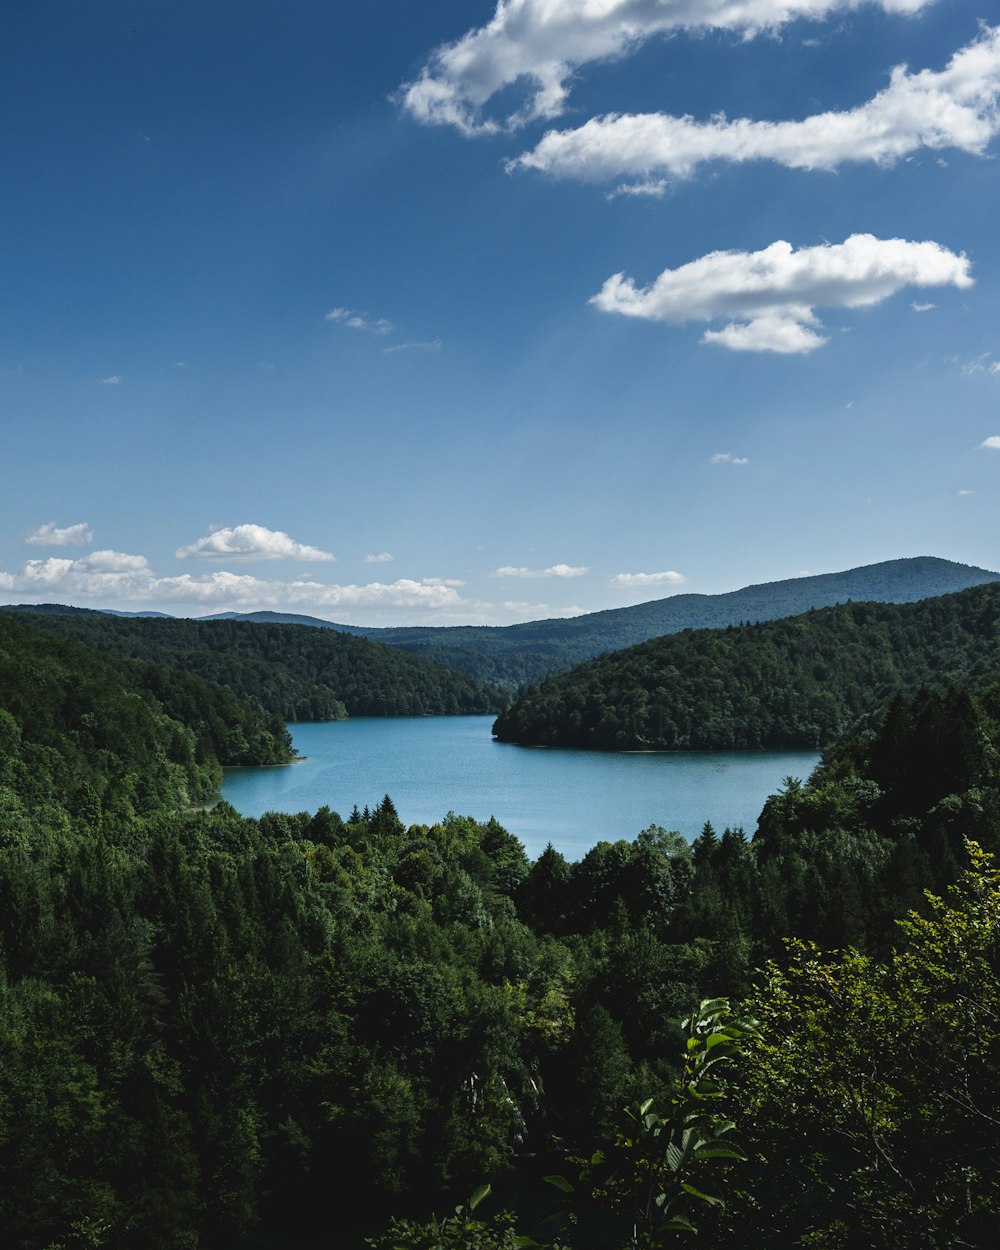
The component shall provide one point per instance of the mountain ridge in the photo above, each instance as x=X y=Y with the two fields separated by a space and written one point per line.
x=527 y=652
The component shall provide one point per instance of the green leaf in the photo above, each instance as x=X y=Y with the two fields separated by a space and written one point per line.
x=482 y=1192
x=718 y=1150
x=697 y=1193
x=560 y=1182
x=677 y=1224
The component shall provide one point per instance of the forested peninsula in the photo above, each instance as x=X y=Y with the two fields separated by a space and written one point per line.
x=290 y=671
x=798 y=682
x=215 y=1029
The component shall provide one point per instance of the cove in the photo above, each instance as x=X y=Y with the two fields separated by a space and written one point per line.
x=433 y=765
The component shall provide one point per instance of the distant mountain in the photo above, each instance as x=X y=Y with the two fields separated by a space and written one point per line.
x=516 y=655
x=63 y=609
x=798 y=682
x=289 y=618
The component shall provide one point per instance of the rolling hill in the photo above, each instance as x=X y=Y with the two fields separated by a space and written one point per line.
x=797 y=682
x=517 y=655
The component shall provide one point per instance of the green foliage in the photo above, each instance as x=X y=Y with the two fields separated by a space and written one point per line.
x=872 y=1099
x=288 y=671
x=799 y=682
x=657 y=1173
x=461 y=1231
x=211 y=1025
x=105 y=739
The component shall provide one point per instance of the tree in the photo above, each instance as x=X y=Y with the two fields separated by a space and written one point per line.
x=874 y=1090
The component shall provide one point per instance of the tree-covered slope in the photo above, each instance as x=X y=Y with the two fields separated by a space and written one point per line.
x=514 y=655
x=792 y=683
x=292 y=671
x=113 y=737
x=214 y=1027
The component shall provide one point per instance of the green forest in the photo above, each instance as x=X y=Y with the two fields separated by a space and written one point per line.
x=515 y=656
x=798 y=682
x=290 y=671
x=218 y=1032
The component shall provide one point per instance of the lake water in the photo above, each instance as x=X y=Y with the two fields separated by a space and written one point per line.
x=433 y=765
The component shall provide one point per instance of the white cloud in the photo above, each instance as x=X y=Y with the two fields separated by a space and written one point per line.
x=52 y=535
x=539 y=44
x=727 y=457
x=784 y=335
x=654 y=187
x=770 y=295
x=423 y=345
x=117 y=577
x=556 y=570
x=922 y=308
x=966 y=492
x=982 y=364
x=252 y=542
x=954 y=108
x=113 y=380
x=97 y=574
x=359 y=320
x=993 y=442
x=383 y=557
x=669 y=578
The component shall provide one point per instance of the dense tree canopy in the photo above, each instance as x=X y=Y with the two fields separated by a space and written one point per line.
x=212 y=1026
x=290 y=671
x=800 y=682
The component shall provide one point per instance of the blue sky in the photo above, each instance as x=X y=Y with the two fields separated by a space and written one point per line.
x=444 y=313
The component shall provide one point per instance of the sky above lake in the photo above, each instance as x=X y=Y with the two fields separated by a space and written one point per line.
x=473 y=312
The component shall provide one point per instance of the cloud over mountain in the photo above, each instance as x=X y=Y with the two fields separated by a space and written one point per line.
x=667 y=578
x=250 y=542
x=555 y=570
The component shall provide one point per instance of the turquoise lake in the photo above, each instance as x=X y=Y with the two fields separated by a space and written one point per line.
x=433 y=765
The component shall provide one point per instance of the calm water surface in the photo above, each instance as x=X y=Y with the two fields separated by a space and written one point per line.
x=433 y=765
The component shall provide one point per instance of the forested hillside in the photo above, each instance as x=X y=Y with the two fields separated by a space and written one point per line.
x=286 y=670
x=211 y=1026
x=793 y=683
x=516 y=655
x=103 y=738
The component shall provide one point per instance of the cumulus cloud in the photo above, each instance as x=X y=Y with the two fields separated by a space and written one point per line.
x=727 y=457
x=250 y=542
x=668 y=578
x=555 y=570
x=770 y=296
x=956 y=107
x=922 y=308
x=97 y=574
x=113 y=380
x=383 y=557
x=359 y=320
x=540 y=43
x=114 y=576
x=993 y=442
x=52 y=535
